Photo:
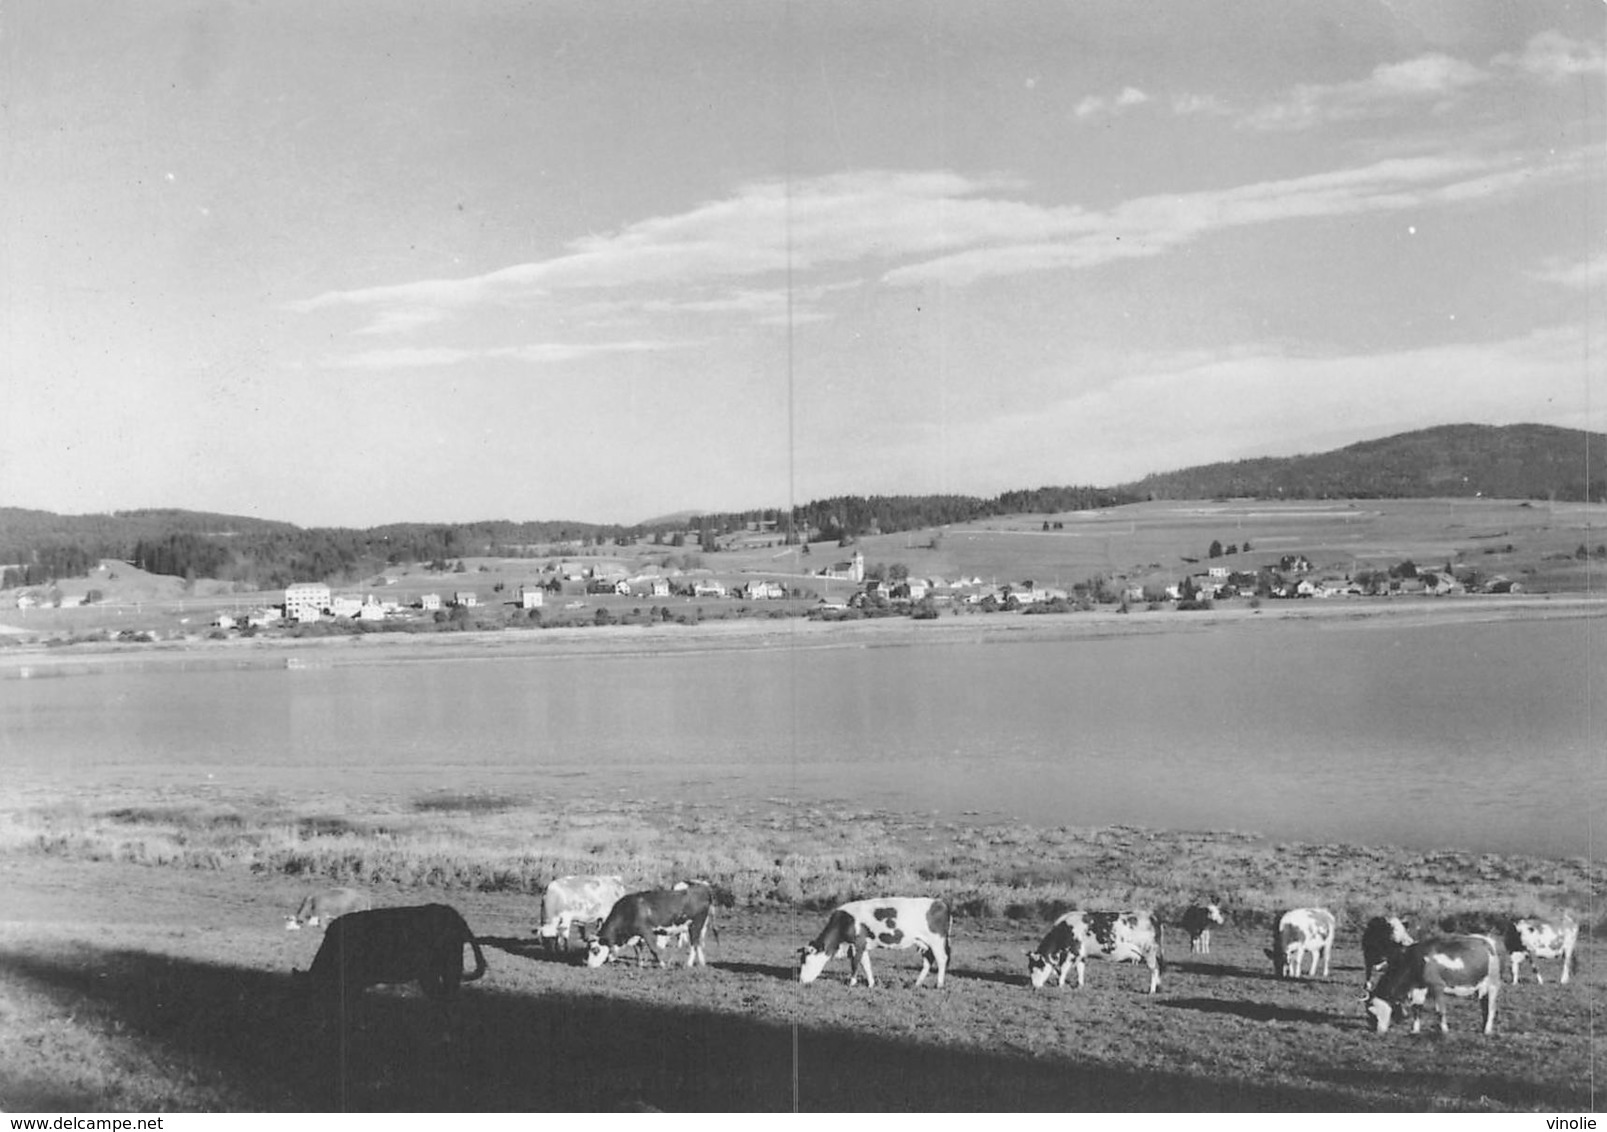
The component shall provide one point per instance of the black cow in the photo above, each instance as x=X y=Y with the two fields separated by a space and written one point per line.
x=641 y=918
x=1197 y=921
x=1382 y=939
x=422 y=944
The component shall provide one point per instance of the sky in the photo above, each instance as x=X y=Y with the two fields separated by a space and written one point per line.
x=351 y=263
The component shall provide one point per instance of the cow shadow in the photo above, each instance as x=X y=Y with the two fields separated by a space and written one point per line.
x=1256 y=1011
x=264 y=1049
x=785 y=974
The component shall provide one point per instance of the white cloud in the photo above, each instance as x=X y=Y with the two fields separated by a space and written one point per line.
x=540 y=353
x=1434 y=80
x=1580 y=274
x=1552 y=57
x=1114 y=104
x=1149 y=226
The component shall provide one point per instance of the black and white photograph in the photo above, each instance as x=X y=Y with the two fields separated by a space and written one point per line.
x=774 y=556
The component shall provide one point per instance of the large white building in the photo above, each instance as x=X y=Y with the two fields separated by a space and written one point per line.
x=306 y=601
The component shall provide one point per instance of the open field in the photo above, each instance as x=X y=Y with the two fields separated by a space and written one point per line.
x=143 y=965
x=1534 y=543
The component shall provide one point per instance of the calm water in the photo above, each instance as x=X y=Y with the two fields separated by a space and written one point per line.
x=1488 y=737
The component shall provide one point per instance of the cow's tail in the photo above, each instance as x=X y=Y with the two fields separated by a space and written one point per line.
x=479 y=959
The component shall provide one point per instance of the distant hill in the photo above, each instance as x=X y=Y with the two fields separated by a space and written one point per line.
x=1525 y=461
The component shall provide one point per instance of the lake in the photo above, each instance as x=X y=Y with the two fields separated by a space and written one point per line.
x=1486 y=737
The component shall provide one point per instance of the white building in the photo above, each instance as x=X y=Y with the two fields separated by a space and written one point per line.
x=306 y=601
x=531 y=596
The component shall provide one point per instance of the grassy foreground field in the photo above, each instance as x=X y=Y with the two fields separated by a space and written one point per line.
x=143 y=965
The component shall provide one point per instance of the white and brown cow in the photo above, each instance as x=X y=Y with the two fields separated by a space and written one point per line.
x=318 y=908
x=1121 y=937
x=1301 y=932
x=1382 y=939
x=1461 y=966
x=583 y=900
x=1540 y=939
x=643 y=918
x=1197 y=921
x=857 y=928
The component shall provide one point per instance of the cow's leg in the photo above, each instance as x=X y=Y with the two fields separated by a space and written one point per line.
x=1515 y=959
x=942 y=953
x=1082 y=967
x=1567 y=961
x=864 y=962
x=1063 y=969
x=926 y=965
x=1327 y=957
x=1154 y=971
x=1488 y=1002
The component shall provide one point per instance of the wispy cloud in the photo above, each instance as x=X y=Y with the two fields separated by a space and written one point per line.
x=1097 y=105
x=1580 y=274
x=736 y=256
x=1149 y=226
x=1433 y=81
x=1553 y=58
x=436 y=357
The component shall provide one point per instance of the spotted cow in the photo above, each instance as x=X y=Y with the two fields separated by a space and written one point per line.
x=318 y=908
x=1462 y=966
x=576 y=899
x=1121 y=937
x=1383 y=939
x=1302 y=932
x=1540 y=939
x=1197 y=922
x=857 y=928
x=643 y=919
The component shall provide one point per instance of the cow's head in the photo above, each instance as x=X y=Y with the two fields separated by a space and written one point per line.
x=811 y=961
x=1213 y=912
x=1039 y=968
x=292 y=924
x=1398 y=933
x=598 y=953
x=1281 y=967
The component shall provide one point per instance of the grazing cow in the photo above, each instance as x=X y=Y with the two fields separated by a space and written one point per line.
x=321 y=907
x=857 y=928
x=576 y=899
x=422 y=944
x=1464 y=966
x=1121 y=937
x=1540 y=939
x=1302 y=931
x=1383 y=939
x=1197 y=922
x=642 y=918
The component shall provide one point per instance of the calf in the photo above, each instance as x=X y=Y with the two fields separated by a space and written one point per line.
x=1300 y=932
x=576 y=899
x=422 y=944
x=857 y=928
x=1463 y=966
x=1197 y=922
x=642 y=918
x=321 y=907
x=1121 y=937
x=1383 y=939
x=1540 y=939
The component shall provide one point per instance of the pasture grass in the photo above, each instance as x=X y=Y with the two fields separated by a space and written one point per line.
x=781 y=854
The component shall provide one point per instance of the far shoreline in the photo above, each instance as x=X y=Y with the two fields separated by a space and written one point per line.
x=758 y=632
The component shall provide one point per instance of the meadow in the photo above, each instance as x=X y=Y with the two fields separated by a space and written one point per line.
x=143 y=963
x=144 y=966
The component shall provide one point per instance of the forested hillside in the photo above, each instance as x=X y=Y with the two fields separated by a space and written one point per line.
x=1507 y=462
x=1513 y=462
